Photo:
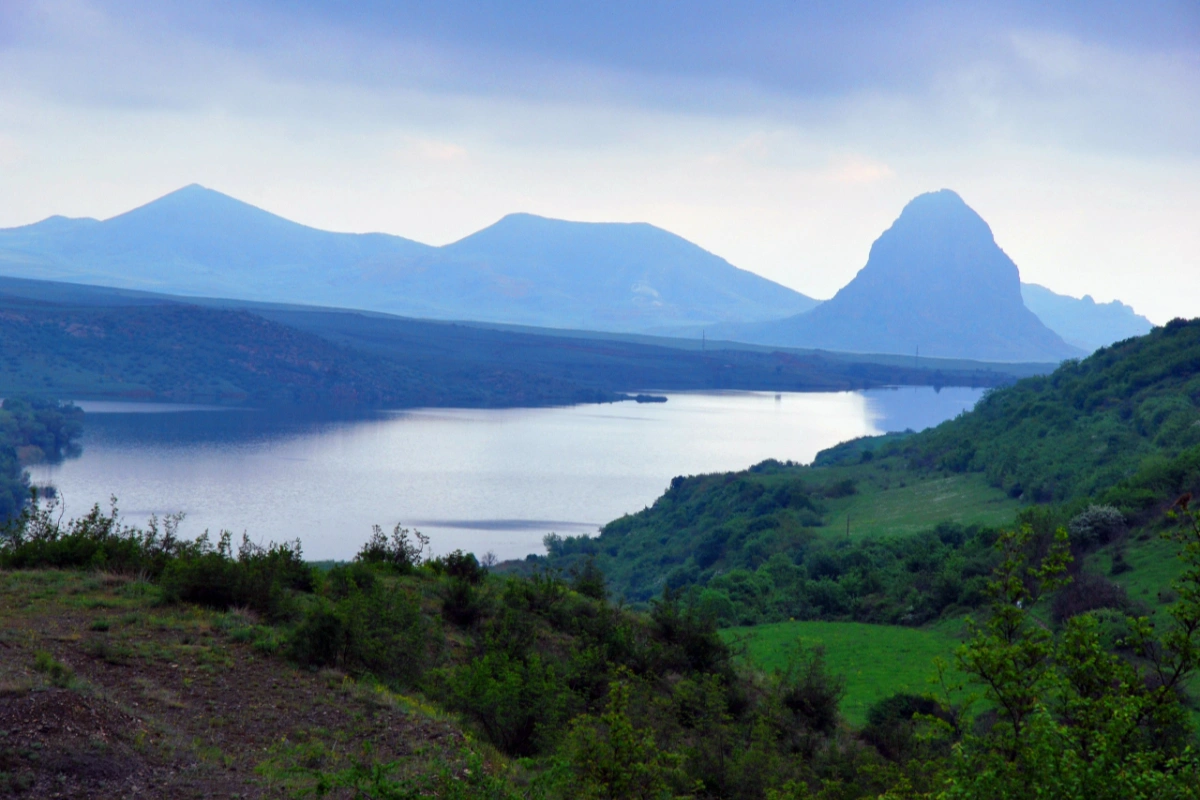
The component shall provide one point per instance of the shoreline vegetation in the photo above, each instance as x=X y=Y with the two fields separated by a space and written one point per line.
x=1047 y=543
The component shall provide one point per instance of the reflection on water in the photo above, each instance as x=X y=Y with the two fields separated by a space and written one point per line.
x=474 y=479
x=917 y=409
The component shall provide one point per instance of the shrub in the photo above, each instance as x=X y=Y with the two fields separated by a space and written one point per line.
x=893 y=722
x=344 y=580
x=261 y=578
x=463 y=566
x=461 y=602
x=398 y=551
x=38 y=538
x=1087 y=592
x=378 y=630
x=518 y=702
x=589 y=581
x=809 y=691
x=1095 y=526
x=60 y=674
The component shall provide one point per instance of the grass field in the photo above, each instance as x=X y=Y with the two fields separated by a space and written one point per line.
x=887 y=505
x=875 y=660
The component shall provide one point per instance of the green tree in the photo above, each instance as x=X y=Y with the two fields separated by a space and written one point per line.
x=1071 y=719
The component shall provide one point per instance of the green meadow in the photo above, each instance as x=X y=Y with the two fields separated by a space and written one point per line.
x=876 y=661
x=903 y=504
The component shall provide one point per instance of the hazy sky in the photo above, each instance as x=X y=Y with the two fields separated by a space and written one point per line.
x=784 y=136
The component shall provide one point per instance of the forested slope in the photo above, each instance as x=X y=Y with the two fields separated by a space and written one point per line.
x=898 y=528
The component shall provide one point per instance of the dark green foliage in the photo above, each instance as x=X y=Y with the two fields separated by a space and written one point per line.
x=588 y=580
x=809 y=692
x=1070 y=718
x=701 y=525
x=397 y=551
x=520 y=702
x=1083 y=429
x=32 y=430
x=894 y=726
x=38 y=539
x=460 y=565
x=82 y=341
x=461 y=601
x=264 y=579
x=377 y=629
x=905 y=580
x=260 y=578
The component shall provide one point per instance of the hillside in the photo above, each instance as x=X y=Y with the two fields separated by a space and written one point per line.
x=898 y=528
x=523 y=269
x=71 y=340
x=182 y=353
x=1082 y=322
x=133 y=663
x=1117 y=416
x=935 y=282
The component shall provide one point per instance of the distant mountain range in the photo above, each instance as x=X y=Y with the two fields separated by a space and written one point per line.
x=1084 y=323
x=935 y=283
x=523 y=269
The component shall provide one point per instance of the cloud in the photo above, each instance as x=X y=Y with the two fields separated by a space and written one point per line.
x=782 y=135
x=856 y=169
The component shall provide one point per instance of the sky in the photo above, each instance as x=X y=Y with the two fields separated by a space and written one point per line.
x=784 y=136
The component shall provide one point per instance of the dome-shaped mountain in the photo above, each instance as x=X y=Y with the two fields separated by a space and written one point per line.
x=935 y=282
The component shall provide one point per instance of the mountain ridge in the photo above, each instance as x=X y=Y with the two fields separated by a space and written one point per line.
x=197 y=241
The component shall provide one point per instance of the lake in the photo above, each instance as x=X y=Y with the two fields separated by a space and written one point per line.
x=477 y=479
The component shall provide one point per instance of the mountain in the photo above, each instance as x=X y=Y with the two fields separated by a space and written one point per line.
x=1084 y=323
x=200 y=242
x=935 y=282
x=524 y=269
x=623 y=276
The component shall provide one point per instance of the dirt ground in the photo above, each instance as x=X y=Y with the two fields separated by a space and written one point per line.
x=105 y=693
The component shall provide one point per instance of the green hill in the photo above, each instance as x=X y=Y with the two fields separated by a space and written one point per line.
x=898 y=528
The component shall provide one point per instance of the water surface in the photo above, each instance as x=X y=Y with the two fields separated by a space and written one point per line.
x=480 y=480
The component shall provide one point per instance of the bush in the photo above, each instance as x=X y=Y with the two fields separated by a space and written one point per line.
x=398 y=551
x=378 y=630
x=892 y=724
x=589 y=581
x=344 y=580
x=261 y=578
x=806 y=689
x=461 y=602
x=1087 y=592
x=462 y=566
x=60 y=674
x=38 y=538
x=518 y=702
x=1096 y=526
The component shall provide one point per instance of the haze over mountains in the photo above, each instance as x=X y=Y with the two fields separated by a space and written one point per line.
x=936 y=282
x=523 y=269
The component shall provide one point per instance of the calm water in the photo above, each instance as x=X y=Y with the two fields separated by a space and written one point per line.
x=479 y=480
